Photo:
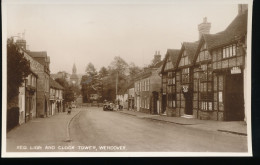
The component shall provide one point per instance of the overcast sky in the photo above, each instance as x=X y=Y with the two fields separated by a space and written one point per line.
x=82 y=33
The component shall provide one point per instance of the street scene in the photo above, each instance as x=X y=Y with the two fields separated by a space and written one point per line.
x=116 y=78
x=90 y=129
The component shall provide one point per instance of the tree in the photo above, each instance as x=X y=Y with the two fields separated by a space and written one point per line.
x=89 y=82
x=91 y=70
x=118 y=65
x=68 y=92
x=133 y=70
x=18 y=68
x=103 y=72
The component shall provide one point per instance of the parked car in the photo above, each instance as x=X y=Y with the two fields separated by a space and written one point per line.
x=108 y=106
x=73 y=106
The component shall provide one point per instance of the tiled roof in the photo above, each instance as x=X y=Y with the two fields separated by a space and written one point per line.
x=191 y=48
x=37 y=54
x=173 y=55
x=236 y=29
x=157 y=65
x=55 y=84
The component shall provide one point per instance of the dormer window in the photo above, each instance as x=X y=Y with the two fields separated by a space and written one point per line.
x=229 y=51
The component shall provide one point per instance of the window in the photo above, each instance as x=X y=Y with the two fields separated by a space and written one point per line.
x=229 y=51
x=206 y=91
x=184 y=59
x=164 y=83
x=185 y=75
x=147 y=84
x=171 y=91
x=169 y=64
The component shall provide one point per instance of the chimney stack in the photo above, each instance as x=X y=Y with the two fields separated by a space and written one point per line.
x=204 y=27
x=242 y=8
x=21 y=43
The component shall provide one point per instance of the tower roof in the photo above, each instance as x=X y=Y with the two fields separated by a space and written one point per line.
x=74 y=69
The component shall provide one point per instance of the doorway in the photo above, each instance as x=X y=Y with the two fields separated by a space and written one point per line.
x=45 y=108
x=234 y=98
x=164 y=99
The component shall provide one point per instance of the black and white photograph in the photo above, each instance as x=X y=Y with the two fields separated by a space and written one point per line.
x=120 y=78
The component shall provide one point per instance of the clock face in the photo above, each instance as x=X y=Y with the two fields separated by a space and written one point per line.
x=73 y=81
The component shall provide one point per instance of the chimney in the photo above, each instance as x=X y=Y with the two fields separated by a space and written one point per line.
x=242 y=8
x=204 y=27
x=21 y=43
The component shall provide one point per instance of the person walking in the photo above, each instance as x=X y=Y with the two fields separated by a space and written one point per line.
x=69 y=110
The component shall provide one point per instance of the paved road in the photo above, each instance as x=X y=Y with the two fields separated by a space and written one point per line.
x=96 y=130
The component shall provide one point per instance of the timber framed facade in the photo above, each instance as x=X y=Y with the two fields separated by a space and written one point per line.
x=210 y=75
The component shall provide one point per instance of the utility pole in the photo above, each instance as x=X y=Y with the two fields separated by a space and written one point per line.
x=116 y=81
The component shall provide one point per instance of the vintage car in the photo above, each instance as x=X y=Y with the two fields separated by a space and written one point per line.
x=108 y=106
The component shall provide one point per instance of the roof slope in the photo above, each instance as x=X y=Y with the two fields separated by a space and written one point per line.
x=236 y=29
x=173 y=55
x=55 y=84
x=38 y=54
x=191 y=48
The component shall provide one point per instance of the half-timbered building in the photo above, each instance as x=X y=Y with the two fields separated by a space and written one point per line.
x=219 y=72
x=168 y=93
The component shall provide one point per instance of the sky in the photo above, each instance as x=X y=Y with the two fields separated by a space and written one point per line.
x=97 y=32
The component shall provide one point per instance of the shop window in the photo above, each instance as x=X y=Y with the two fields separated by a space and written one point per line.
x=171 y=100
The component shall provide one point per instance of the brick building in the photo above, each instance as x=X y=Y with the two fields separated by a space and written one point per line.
x=43 y=87
x=147 y=88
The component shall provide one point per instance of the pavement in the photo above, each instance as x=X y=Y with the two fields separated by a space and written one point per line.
x=234 y=127
x=40 y=132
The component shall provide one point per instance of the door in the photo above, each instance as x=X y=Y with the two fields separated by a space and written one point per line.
x=188 y=105
x=164 y=104
x=234 y=98
x=138 y=103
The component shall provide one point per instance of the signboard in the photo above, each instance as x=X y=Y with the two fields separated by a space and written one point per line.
x=220 y=98
x=235 y=70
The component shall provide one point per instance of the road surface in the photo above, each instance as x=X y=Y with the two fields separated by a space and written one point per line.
x=96 y=130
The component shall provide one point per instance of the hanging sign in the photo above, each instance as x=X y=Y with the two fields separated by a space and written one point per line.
x=235 y=70
x=185 y=89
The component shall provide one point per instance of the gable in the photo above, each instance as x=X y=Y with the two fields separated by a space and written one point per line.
x=203 y=54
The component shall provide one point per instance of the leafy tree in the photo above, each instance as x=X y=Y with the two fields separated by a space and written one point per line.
x=133 y=70
x=68 y=93
x=89 y=82
x=91 y=70
x=118 y=65
x=18 y=68
x=103 y=72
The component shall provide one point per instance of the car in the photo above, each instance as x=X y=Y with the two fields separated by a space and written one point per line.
x=73 y=106
x=108 y=107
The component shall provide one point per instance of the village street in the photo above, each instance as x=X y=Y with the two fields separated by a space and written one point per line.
x=90 y=129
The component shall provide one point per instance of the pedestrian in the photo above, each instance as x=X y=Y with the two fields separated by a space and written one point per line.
x=69 y=109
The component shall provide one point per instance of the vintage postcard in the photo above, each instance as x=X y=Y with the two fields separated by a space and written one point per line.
x=123 y=78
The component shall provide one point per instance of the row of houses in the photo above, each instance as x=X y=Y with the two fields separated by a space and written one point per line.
x=39 y=95
x=204 y=79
